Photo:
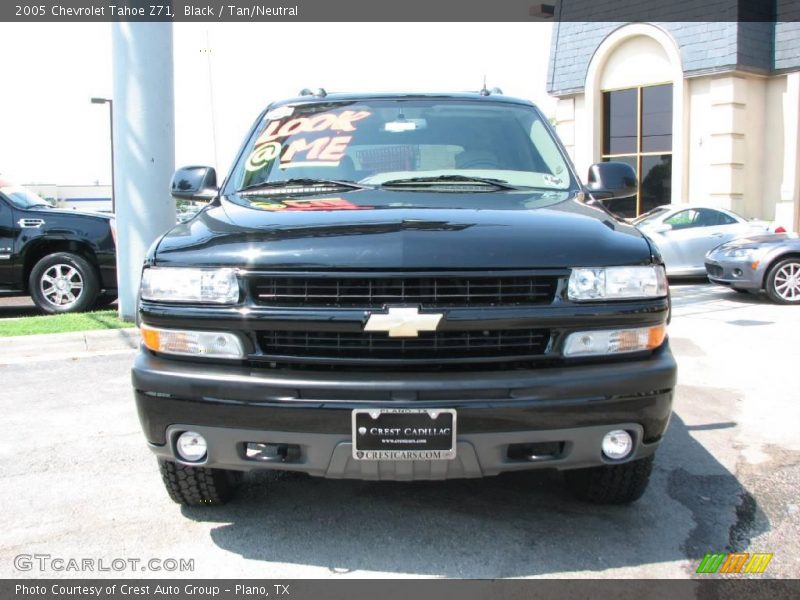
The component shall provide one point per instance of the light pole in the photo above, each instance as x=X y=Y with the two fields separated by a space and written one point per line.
x=110 y=103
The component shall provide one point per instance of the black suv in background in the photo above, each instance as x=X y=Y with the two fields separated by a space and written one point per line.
x=63 y=259
x=403 y=287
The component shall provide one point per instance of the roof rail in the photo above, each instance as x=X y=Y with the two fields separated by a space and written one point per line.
x=487 y=92
x=319 y=92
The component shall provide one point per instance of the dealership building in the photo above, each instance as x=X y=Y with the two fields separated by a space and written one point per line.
x=704 y=112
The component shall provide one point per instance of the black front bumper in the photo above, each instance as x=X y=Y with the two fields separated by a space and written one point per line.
x=314 y=408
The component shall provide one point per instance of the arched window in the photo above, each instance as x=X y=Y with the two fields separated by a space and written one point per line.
x=635 y=96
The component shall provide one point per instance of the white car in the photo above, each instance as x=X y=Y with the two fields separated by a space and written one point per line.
x=684 y=234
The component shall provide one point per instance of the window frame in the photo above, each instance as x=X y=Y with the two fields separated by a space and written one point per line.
x=638 y=154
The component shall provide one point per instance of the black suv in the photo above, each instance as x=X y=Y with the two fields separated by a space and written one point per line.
x=63 y=259
x=403 y=287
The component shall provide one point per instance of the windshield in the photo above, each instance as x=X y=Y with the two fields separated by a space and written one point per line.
x=385 y=142
x=650 y=215
x=22 y=198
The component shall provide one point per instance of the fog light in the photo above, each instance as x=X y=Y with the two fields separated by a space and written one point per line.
x=191 y=446
x=617 y=444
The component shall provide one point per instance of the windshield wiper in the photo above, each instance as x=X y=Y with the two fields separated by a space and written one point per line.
x=307 y=185
x=498 y=183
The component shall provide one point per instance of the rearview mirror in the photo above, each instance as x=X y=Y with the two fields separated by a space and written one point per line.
x=611 y=180
x=195 y=183
x=662 y=228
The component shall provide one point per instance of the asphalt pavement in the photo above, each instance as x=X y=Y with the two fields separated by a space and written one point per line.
x=77 y=481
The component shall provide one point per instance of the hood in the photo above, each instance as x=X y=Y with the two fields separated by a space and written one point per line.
x=766 y=239
x=377 y=229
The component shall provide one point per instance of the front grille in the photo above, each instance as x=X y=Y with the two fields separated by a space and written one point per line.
x=369 y=292
x=714 y=270
x=441 y=346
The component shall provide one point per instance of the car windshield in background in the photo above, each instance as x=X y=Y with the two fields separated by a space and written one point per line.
x=427 y=144
x=650 y=215
x=23 y=198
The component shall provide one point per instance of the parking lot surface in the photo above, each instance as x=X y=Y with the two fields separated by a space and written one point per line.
x=77 y=481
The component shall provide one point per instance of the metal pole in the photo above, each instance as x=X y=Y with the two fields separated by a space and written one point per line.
x=111 y=129
x=110 y=103
x=144 y=153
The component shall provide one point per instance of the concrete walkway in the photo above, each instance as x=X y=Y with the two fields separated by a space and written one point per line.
x=56 y=346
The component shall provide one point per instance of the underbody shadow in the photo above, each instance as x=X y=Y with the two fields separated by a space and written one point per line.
x=513 y=525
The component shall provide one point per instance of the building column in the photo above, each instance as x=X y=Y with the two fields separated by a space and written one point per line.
x=728 y=123
x=787 y=209
x=144 y=147
x=565 y=124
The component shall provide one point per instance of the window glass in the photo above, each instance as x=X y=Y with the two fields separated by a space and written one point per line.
x=683 y=219
x=655 y=181
x=711 y=218
x=650 y=215
x=637 y=128
x=621 y=121
x=657 y=118
x=22 y=197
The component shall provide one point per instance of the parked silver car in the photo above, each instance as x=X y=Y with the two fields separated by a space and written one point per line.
x=769 y=262
x=684 y=233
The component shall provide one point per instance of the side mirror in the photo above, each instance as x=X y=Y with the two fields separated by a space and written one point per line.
x=195 y=183
x=611 y=180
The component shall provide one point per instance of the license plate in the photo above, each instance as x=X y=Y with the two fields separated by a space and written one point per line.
x=404 y=434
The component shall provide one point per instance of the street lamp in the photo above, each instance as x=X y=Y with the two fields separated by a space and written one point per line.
x=110 y=103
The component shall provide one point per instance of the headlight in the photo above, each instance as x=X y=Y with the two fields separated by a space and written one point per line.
x=744 y=253
x=213 y=344
x=611 y=283
x=177 y=284
x=615 y=341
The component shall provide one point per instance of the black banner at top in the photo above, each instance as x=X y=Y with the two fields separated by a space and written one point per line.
x=762 y=11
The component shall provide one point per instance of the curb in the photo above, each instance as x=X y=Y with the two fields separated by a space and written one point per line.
x=62 y=345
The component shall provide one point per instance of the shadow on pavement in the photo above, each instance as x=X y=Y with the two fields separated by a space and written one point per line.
x=15 y=309
x=509 y=526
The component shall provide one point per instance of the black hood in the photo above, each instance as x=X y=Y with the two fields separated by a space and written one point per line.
x=377 y=229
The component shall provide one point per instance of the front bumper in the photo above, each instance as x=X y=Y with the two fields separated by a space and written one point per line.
x=734 y=273
x=571 y=406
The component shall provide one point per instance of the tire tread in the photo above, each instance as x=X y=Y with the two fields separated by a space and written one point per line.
x=197 y=486
x=611 y=484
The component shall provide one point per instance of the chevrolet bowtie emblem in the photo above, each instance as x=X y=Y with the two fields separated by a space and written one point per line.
x=403 y=322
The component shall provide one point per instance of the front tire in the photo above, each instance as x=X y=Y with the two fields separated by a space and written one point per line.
x=198 y=486
x=611 y=484
x=783 y=281
x=63 y=282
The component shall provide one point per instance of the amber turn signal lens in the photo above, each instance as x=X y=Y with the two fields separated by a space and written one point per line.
x=150 y=338
x=218 y=344
x=656 y=336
